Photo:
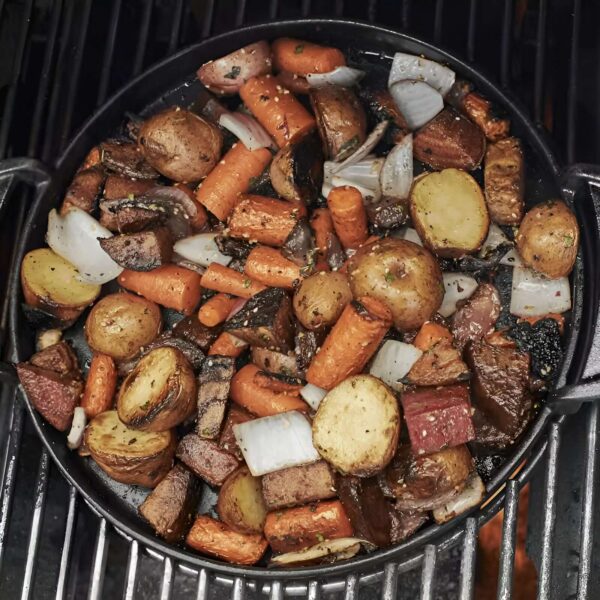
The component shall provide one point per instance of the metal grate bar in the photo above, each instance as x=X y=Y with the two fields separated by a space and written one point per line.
x=276 y=591
x=41 y=487
x=273 y=9
x=549 y=511
x=339 y=8
x=306 y=8
x=203 y=585
x=238 y=591
x=372 y=10
x=167 y=580
x=469 y=557
x=472 y=29
x=405 y=13
x=314 y=592
x=588 y=493
x=131 y=574
x=108 y=52
x=208 y=18
x=351 y=588
x=438 y=20
x=573 y=83
x=140 y=51
x=428 y=572
x=99 y=563
x=509 y=535
x=389 y=590
x=506 y=43
x=241 y=13
x=540 y=63
x=176 y=27
x=11 y=96
x=67 y=544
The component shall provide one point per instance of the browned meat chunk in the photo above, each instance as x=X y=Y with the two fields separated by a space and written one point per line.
x=59 y=358
x=142 y=251
x=440 y=365
x=488 y=438
x=84 y=190
x=227 y=441
x=192 y=330
x=116 y=187
x=477 y=316
x=298 y=485
x=126 y=217
x=171 y=506
x=307 y=342
x=275 y=362
x=405 y=523
x=213 y=390
x=500 y=385
x=386 y=213
x=125 y=158
x=480 y=110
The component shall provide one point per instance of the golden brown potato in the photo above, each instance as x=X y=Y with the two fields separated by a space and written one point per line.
x=180 y=144
x=120 y=324
x=341 y=120
x=357 y=425
x=240 y=504
x=321 y=298
x=449 y=212
x=404 y=276
x=159 y=393
x=548 y=239
x=129 y=455
x=52 y=284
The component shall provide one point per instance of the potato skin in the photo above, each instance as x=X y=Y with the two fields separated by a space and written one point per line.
x=180 y=144
x=321 y=298
x=120 y=324
x=402 y=275
x=548 y=239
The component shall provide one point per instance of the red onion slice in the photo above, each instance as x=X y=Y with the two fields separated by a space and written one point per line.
x=417 y=101
x=247 y=129
x=364 y=149
x=342 y=76
x=239 y=304
x=408 y=66
x=397 y=173
x=471 y=496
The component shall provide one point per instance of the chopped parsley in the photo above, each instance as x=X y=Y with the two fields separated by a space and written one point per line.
x=389 y=277
x=235 y=71
x=299 y=49
x=247 y=283
x=568 y=241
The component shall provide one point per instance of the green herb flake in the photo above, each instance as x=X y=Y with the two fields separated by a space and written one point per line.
x=130 y=197
x=247 y=283
x=389 y=277
x=347 y=147
x=568 y=241
x=299 y=49
x=235 y=71
x=320 y=537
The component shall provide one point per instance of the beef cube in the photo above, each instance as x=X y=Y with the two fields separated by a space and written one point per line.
x=116 y=187
x=84 y=190
x=298 y=485
x=171 y=506
x=206 y=459
x=275 y=362
x=125 y=158
x=440 y=365
x=438 y=418
x=191 y=329
x=404 y=524
x=488 y=438
x=227 y=441
x=233 y=247
x=501 y=385
x=126 y=217
x=307 y=343
x=386 y=213
x=141 y=251
x=213 y=391
x=265 y=321
x=58 y=358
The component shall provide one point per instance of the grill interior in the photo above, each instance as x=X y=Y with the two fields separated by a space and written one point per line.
x=59 y=60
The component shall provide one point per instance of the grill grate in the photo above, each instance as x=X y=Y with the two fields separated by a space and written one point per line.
x=67 y=57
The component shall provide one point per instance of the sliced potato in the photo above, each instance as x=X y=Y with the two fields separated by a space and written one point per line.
x=449 y=212
x=120 y=324
x=357 y=425
x=240 y=504
x=52 y=284
x=159 y=393
x=129 y=455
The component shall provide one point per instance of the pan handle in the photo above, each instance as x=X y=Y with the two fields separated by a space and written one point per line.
x=581 y=185
x=8 y=374
x=25 y=170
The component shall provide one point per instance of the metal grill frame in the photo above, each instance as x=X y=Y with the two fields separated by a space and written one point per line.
x=70 y=22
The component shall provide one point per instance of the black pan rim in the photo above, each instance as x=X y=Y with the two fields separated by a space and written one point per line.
x=407 y=549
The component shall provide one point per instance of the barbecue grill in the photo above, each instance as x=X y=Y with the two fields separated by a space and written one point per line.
x=68 y=57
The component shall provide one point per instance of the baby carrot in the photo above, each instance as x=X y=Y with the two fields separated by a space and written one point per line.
x=263 y=219
x=276 y=109
x=293 y=82
x=300 y=57
x=170 y=285
x=231 y=176
x=350 y=343
x=269 y=267
x=322 y=226
x=274 y=384
x=259 y=400
x=349 y=216
x=227 y=345
x=430 y=334
x=100 y=386
x=227 y=281
x=216 y=309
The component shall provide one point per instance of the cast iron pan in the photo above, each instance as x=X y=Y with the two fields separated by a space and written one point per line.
x=173 y=82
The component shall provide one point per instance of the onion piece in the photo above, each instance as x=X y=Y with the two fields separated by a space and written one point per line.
x=409 y=66
x=396 y=176
x=365 y=172
x=512 y=259
x=313 y=395
x=457 y=286
x=337 y=181
x=364 y=149
x=201 y=249
x=326 y=551
x=393 y=361
x=343 y=76
x=274 y=443
x=74 y=236
x=247 y=129
x=239 y=304
x=471 y=495
x=533 y=295
x=495 y=239
x=75 y=436
x=417 y=101
x=408 y=233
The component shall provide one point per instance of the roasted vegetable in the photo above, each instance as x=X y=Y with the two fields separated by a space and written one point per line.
x=117 y=187
x=235 y=416
x=129 y=455
x=299 y=246
x=170 y=508
x=84 y=190
x=275 y=362
x=439 y=365
x=124 y=215
x=142 y=251
x=206 y=459
x=125 y=158
x=213 y=391
x=159 y=393
x=386 y=213
x=189 y=328
x=120 y=324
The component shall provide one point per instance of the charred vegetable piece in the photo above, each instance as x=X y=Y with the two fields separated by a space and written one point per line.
x=58 y=357
x=438 y=418
x=472 y=494
x=386 y=213
x=480 y=110
x=299 y=247
x=275 y=362
x=335 y=253
x=265 y=321
x=505 y=181
x=117 y=187
x=298 y=485
x=381 y=105
x=142 y=251
x=213 y=390
x=439 y=365
x=124 y=158
x=367 y=508
x=500 y=385
x=190 y=328
x=127 y=216
x=297 y=169
x=341 y=120
x=307 y=342
x=227 y=441
x=206 y=459
x=84 y=190
x=171 y=506
x=542 y=341
x=233 y=247
x=425 y=482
